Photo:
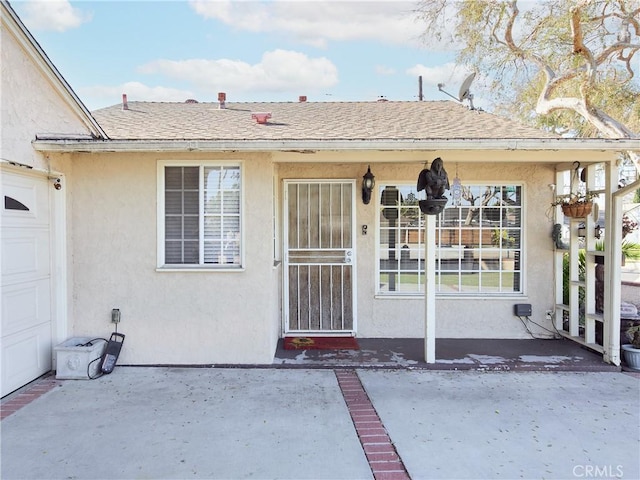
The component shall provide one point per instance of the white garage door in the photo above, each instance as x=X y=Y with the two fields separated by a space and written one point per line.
x=26 y=280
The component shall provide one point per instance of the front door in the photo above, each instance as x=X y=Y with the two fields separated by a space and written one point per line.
x=319 y=257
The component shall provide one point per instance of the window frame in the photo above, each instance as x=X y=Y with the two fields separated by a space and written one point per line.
x=161 y=265
x=419 y=292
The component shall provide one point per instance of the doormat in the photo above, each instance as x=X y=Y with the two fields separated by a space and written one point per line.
x=320 y=343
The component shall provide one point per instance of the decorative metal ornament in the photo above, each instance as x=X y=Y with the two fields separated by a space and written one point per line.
x=456 y=191
x=434 y=182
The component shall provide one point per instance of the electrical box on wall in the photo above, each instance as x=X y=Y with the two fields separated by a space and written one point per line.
x=522 y=309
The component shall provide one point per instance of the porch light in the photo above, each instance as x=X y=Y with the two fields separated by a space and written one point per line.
x=368 y=181
x=582 y=231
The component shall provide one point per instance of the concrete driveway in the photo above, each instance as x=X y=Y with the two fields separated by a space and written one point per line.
x=267 y=423
x=469 y=425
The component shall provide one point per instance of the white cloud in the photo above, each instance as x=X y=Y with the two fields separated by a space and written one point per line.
x=53 y=15
x=318 y=22
x=136 y=91
x=450 y=74
x=278 y=71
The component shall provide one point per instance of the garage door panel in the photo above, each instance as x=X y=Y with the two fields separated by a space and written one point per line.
x=32 y=193
x=23 y=354
x=25 y=254
x=26 y=341
x=25 y=306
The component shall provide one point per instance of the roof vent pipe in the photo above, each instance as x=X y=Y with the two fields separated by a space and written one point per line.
x=125 y=104
x=302 y=98
x=222 y=98
x=261 y=117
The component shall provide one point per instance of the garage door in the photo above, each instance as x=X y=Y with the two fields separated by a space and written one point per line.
x=26 y=280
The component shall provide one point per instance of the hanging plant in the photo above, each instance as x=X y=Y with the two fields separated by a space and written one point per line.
x=576 y=205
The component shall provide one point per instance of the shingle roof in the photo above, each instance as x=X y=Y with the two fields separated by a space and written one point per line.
x=385 y=120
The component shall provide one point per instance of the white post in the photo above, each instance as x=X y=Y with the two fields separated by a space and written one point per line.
x=613 y=282
x=430 y=289
x=612 y=271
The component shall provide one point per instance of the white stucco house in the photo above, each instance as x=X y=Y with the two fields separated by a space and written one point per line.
x=217 y=228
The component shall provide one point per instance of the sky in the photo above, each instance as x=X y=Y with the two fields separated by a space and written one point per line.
x=264 y=51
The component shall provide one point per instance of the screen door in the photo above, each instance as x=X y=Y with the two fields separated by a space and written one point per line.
x=319 y=257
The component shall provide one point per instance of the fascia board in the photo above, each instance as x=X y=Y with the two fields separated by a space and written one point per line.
x=44 y=144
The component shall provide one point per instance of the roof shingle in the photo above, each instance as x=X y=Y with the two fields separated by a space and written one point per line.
x=387 y=120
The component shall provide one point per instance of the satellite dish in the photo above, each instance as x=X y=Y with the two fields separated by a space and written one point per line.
x=464 y=89
x=464 y=93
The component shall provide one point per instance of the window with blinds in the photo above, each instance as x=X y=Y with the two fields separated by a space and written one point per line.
x=202 y=215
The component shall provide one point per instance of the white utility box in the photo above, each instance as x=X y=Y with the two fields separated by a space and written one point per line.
x=74 y=356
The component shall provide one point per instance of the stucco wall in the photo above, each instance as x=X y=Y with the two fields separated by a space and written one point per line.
x=464 y=317
x=29 y=106
x=168 y=317
x=234 y=317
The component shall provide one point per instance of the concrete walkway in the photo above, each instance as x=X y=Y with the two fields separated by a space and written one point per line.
x=270 y=423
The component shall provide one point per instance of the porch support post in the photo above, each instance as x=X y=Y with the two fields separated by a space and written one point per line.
x=430 y=289
x=613 y=275
x=612 y=282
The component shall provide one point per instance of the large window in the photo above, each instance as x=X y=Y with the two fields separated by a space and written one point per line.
x=478 y=241
x=199 y=215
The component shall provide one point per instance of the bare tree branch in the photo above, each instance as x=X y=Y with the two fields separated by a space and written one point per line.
x=573 y=62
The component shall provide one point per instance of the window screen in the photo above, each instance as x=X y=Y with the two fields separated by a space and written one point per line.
x=202 y=215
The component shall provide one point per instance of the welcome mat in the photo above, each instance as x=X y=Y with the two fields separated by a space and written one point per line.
x=320 y=343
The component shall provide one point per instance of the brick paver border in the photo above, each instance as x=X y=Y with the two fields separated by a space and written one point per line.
x=26 y=395
x=381 y=454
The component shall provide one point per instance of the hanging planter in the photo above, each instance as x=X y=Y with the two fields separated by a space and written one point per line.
x=576 y=206
x=577 y=209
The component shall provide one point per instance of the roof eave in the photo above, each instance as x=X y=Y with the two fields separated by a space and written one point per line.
x=550 y=144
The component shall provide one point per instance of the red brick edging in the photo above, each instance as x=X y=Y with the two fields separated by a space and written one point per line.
x=380 y=452
x=19 y=399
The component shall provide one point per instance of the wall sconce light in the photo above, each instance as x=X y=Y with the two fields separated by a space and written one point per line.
x=368 y=181
x=582 y=231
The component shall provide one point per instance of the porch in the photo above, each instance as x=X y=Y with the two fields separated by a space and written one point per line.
x=453 y=354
